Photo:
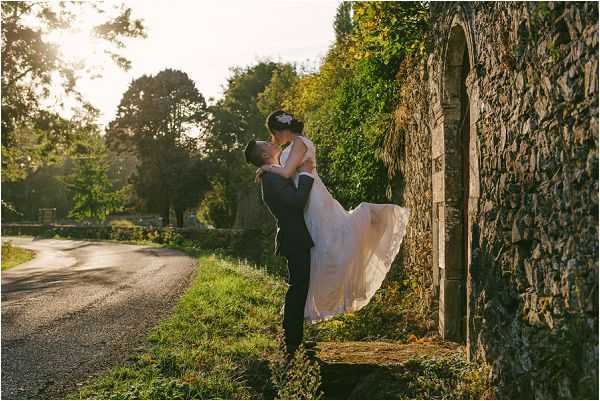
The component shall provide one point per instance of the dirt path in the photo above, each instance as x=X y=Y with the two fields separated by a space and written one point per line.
x=79 y=307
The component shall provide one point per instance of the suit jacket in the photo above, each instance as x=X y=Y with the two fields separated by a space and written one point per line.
x=286 y=203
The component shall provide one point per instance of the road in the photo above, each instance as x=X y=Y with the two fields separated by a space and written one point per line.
x=80 y=307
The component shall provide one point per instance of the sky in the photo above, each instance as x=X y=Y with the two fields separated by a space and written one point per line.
x=206 y=38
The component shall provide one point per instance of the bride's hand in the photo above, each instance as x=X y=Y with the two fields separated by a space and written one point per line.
x=260 y=171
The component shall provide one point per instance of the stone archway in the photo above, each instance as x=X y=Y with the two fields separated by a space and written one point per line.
x=455 y=182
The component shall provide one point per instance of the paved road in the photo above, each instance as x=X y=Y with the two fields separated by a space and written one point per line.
x=79 y=307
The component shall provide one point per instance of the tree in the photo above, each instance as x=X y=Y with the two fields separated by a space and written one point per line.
x=235 y=119
x=157 y=118
x=275 y=94
x=342 y=24
x=348 y=105
x=92 y=192
x=39 y=142
x=40 y=189
x=33 y=67
x=389 y=31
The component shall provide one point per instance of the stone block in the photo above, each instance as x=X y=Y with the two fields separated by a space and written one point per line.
x=437 y=181
x=452 y=310
x=437 y=141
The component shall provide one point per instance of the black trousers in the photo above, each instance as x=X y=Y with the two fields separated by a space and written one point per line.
x=298 y=262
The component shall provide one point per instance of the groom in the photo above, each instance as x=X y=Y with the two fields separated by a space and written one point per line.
x=286 y=203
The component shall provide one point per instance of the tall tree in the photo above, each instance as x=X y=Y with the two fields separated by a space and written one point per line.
x=191 y=184
x=278 y=90
x=342 y=25
x=235 y=119
x=158 y=117
x=348 y=105
x=33 y=66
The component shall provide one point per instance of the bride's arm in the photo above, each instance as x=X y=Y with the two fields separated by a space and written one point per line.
x=293 y=162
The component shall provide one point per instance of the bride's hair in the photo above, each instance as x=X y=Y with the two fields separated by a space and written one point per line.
x=280 y=120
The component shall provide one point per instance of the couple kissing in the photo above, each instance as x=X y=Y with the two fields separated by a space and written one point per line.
x=336 y=259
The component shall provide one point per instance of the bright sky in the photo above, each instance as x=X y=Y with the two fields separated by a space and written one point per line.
x=206 y=38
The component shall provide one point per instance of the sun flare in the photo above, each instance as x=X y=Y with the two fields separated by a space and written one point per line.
x=80 y=46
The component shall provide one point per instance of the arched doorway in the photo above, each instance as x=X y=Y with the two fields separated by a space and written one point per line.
x=455 y=184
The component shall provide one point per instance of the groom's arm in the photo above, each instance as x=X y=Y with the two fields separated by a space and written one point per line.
x=278 y=188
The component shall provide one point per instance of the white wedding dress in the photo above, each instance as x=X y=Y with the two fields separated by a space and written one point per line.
x=353 y=249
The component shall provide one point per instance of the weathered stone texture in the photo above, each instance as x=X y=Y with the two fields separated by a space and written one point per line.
x=406 y=155
x=533 y=305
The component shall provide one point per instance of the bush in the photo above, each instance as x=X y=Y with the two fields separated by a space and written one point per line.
x=298 y=379
x=13 y=255
x=122 y=223
x=252 y=245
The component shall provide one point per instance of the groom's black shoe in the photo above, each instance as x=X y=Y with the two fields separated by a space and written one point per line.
x=310 y=344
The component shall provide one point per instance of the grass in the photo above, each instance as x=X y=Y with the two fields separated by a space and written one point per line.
x=223 y=341
x=448 y=377
x=217 y=344
x=13 y=255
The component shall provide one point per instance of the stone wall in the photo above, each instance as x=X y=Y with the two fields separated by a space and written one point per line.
x=406 y=155
x=532 y=266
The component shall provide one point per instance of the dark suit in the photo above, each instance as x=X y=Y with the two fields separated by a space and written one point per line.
x=286 y=203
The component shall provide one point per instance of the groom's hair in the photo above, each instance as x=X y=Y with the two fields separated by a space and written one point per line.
x=254 y=154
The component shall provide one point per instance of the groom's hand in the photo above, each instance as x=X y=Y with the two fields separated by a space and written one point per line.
x=307 y=167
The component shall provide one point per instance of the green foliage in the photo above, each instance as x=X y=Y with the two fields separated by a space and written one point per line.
x=33 y=68
x=389 y=31
x=13 y=255
x=448 y=377
x=235 y=119
x=273 y=96
x=216 y=345
x=215 y=209
x=348 y=106
x=91 y=189
x=388 y=316
x=41 y=189
x=156 y=119
x=40 y=142
x=296 y=379
x=39 y=183
x=342 y=25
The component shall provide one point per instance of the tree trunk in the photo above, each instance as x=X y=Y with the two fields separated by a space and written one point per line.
x=165 y=217
x=179 y=215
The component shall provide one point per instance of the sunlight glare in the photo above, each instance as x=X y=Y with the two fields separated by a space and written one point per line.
x=80 y=46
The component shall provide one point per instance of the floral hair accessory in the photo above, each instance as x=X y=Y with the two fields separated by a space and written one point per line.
x=284 y=118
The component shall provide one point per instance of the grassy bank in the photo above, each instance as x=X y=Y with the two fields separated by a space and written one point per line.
x=221 y=342
x=13 y=255
x=217 y=343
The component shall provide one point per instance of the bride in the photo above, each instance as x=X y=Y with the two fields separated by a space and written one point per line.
x=353 y=249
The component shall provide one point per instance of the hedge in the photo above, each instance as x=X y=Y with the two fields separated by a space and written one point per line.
x=254 y=245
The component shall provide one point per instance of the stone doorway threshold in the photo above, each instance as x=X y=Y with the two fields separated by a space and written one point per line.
x=352 y=370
